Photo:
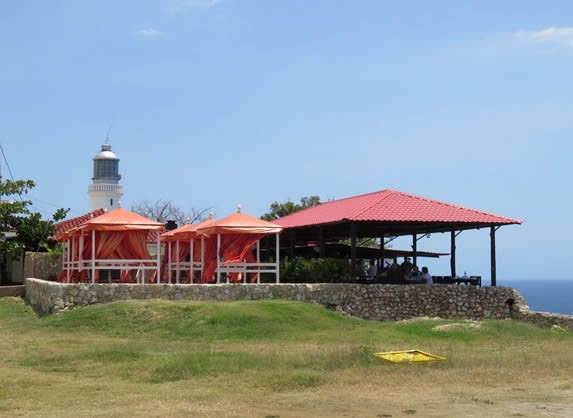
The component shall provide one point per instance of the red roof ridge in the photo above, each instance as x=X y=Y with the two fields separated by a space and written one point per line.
x=62 y=227
x=481 y=212
x=387 y=192
x=329 y=202
x=384 y=195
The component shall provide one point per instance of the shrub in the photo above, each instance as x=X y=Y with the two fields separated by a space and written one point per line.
x=314 y=270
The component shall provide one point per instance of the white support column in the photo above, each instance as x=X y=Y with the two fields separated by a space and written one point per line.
x=277 y=266
x=202 y=255
x=177 y=262
x=80 y=252
x=93 y=255
x=191 y=259
x=71 y=260
x=67 y=255
x=258 y=260
x=218 y=259
x=169 y=255
x=158 y=261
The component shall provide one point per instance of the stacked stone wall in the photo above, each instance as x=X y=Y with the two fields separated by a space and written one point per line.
x=373 y=301
x=545 y=319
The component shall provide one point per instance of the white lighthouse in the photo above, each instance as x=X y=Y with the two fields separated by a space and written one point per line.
x=105 y=191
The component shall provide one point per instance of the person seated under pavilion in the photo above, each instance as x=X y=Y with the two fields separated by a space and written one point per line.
x=426 y=276
x=372 y=271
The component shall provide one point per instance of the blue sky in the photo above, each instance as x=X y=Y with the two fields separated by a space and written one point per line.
x=218 y=103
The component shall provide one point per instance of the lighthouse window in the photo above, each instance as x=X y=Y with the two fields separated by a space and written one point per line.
x=105 y=168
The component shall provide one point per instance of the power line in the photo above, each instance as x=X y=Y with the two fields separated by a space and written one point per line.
x=6 y=161
x=9 y=170
x=44 y=202
x=34 y=206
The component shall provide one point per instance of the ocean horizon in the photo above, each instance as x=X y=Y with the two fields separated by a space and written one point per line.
x=545 y=295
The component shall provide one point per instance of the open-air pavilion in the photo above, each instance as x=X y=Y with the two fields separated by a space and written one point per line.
x=184 y=252
x=384 y=215
x=230 y=245
x=115 y=240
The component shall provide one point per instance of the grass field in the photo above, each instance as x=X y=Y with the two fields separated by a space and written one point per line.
x=272 y=359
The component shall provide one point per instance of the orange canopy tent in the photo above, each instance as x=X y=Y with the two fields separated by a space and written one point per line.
x=229 y=246
x=116 y=240
x=187 y=256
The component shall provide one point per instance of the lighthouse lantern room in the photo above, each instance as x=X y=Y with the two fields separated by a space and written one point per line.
x=105 y=191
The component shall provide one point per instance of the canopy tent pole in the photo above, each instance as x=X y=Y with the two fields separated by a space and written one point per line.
x=258 y=262
x=453 y=254
x=218 y=258
x=191 y=255
x=67 y=255
x=169 y=255
x=64 y=258
x=80 y=252
x=73 y=255
x=93 y=255
x=177 y=262
x=158 y=269
x=277 y=263
x=492 y=256
x=202 y=255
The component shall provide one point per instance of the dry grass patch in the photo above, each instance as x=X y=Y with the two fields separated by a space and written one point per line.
x=468 y=325
x=282 y=359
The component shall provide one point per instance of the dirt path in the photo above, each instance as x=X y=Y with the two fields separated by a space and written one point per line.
x=548 y=399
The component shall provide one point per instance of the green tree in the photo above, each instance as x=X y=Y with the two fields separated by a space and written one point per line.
x=278 y=210
x=21 y=229
x=11 y=213
x=33 y=231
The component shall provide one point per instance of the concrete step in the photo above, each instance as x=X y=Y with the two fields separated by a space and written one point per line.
x=14 y=291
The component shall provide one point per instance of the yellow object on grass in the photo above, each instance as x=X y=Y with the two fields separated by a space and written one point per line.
x=407 y=356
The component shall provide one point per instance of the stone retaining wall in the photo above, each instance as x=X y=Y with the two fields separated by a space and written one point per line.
x=372 y=301
x=545 y=319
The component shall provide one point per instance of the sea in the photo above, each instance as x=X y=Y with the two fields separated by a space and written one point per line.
x=555 y=296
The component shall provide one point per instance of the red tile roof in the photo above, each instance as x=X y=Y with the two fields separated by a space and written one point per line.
x=390 y=206
x=61 y=228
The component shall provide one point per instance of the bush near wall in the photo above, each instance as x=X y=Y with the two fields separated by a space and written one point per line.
x=314 y=270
